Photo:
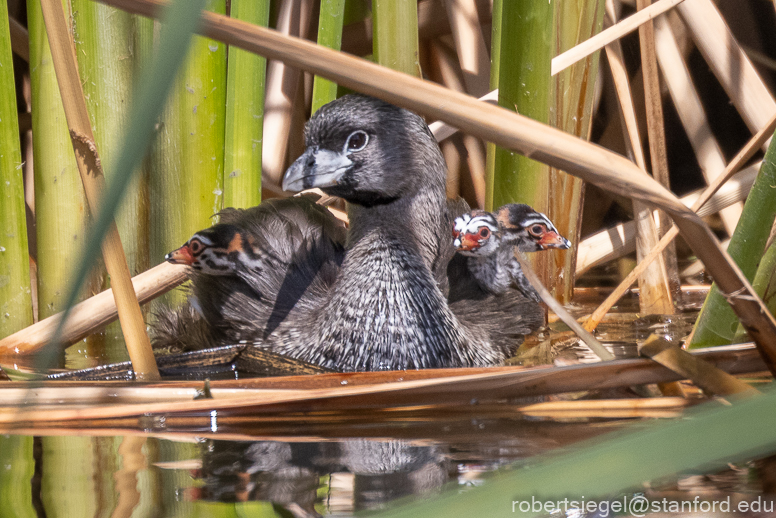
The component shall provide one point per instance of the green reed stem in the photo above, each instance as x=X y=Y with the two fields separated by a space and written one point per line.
x=495 y=67
x=245 y=83
x=717 y=323
x=18 y=464
x=15 y=299
x=60 y=203
x=187 y=170
x=395 y=35
x=149 y=99
x=329 y=35
x=525 y=86
x=104 y=39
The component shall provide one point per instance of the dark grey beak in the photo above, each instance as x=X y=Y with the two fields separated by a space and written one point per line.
x=316 y=168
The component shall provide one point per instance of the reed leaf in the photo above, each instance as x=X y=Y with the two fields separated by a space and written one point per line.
x=246 y=75
x=717 y=322
x=330 y=23
x=15 y=298
x=188 y=161
x=764 y=284
x=395 y=40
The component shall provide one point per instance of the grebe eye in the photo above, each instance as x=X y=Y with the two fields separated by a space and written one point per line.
x=537 y=230
x=356 y=141
x=195 y=246
x=484 y=232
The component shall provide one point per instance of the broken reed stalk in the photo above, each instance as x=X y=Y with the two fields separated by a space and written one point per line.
x=668 y=280
x=330 y=21
x=130 y=316
x=655 y=295
x=613 y=33
x=592 y=163
x=89 y=315
x=739 y=160
x=368 y=390
x=15 y=294
x=655 y=284
x=614 y=242
x=587 y=337
x=245 y=77
x=702 y=374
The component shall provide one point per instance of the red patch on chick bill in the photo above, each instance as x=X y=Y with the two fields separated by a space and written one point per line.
x=182 y=255
x=552 y=239
x=470 y=241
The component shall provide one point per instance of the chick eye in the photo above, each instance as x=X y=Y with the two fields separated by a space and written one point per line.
x=356 y=141
x=484 y=232
x=537 y=230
